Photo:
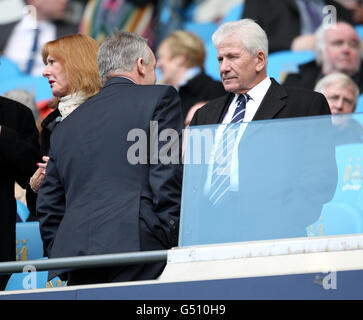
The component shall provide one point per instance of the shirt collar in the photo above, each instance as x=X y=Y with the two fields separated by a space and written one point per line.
x=258 y=92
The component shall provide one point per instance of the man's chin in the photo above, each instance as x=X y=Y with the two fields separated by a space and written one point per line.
x=229 y=87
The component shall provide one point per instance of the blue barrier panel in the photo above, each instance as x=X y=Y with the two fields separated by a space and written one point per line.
x=342 y=285
x=272 y=179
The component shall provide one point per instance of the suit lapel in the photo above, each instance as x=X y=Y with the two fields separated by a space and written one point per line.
x=272 y=103
x=218 y=114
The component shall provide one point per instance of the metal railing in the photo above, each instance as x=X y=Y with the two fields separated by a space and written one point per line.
x=92 y=261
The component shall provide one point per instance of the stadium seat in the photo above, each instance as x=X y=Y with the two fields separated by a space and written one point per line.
x=18 y=281
x=22 y=210
x=359 y=30
x=38 y=85
x=360 y=200
x=349 y=159
x=234 y=14
x=211 y=65
x=24 y=281
x=203 y=30
x=283 y=62
x=337 y=218
x=9 y=70
x=359 y=107
x=29 y=245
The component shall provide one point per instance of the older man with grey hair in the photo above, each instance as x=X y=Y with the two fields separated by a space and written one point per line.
x=274 y=207
x=341 y=92
x=242 y=51
x=337 y=50
x=104 y=192
x=342 y=95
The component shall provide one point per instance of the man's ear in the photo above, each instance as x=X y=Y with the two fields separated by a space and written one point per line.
x=261 y=61
x=140 y=66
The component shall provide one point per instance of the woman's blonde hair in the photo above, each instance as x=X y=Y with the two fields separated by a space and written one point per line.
x=78 y=55
x=182 y=42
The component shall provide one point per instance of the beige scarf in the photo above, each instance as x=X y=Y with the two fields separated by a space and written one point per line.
x=69 y=103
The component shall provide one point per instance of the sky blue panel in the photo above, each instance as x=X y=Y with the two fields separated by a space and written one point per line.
x=278 y=177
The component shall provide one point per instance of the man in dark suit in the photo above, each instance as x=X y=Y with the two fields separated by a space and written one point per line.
x=19 y=153
x=103 y=192
x=22 y=41
x=242 y=55
x=290 y=24
x=242 y=67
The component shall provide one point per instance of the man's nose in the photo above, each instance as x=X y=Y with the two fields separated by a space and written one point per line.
x=338 y=105
x=224 y=66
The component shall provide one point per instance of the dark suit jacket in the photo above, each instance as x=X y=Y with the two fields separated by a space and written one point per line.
x=48 y=124
x=287 y=169
x=310 y=73
x=281 y=20
x=93 y=200
x=19 y=153
x=200 y=88
x=279 y=102
x=62 y=29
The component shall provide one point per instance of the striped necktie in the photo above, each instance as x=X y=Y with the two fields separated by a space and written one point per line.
x=220 y=182
x=33 y=52
x=240 y=111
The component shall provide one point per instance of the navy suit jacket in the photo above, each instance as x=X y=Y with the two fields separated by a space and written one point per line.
x=93 y=200
x=279 y=102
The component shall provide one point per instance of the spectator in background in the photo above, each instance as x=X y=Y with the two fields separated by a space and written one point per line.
x=21 y=41
x=337 y=50
x=291 y=24
x=19 y=152
x=181 y=61
x=102 y=17
x=340 y=91
x=73 y=81
x=98 y=197
x=342 y=95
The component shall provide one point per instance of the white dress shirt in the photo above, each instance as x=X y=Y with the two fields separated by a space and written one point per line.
x=257 y=94
x=19 y=47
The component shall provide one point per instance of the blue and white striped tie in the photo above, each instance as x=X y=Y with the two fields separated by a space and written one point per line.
x=240 y=111
x=220 y=182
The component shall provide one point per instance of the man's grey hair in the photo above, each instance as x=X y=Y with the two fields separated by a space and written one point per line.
x=252 y=36
x=119 y=53
x=320 y=43
x=340 y=79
